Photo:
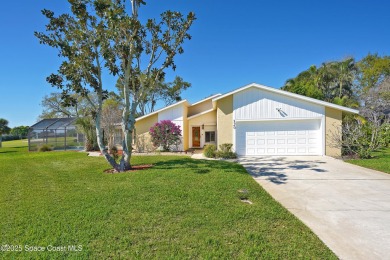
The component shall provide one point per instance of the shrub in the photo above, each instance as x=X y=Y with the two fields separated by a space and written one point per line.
x=226 y=147
x=10 y=137
x=209 y=151
x=225 y=152
x=164 y=134
x=45 y=148
x=225 y=155
x=360 y=138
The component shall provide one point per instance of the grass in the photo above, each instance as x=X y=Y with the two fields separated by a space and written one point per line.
x=180 y=208
x=379 y=162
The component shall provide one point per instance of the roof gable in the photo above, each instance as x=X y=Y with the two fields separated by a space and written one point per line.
x=289 y=94
x=162 y=109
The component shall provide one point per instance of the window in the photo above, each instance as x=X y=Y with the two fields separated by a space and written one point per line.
x=210 y=137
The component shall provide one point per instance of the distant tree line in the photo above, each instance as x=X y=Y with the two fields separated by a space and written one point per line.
x=8 y=134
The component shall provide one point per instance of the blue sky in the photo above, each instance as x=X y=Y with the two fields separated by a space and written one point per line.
x=234 y=43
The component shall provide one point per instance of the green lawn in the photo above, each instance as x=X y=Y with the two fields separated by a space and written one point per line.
x=180 y=208
x=380 y=161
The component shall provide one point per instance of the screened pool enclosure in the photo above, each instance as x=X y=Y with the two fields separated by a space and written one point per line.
x=57 y=133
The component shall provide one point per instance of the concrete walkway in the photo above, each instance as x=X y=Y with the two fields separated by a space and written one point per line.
x=347 y=206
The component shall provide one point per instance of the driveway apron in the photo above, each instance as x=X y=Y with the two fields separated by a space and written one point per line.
x=347 y=206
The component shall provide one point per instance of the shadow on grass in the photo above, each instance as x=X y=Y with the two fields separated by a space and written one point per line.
x=199 y=166
x=274 y=168
x=9 y=152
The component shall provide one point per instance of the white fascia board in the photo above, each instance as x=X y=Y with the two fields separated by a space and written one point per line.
x=201 y=113
x=162 y=109
x=289 y=94
x=279 y=119
x=203 y=100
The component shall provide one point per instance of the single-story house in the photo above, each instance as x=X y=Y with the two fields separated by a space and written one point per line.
x=258 y=121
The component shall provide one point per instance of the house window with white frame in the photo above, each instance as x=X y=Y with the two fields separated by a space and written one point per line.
x=210 y=136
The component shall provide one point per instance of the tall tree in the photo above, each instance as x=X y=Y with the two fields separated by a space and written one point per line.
x=331 y=82
x=102 y=34
x=168 y=92
x=373 y=69
x=4 y=129
x=307 y=83
x=344 y=75
x=54 y=107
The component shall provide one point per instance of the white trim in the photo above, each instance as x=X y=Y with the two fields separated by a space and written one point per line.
x=279 y=119
x=162 y=109
x=234 y=126
x=289 y=94
x=201 y=114
x=203 y=100
x=323 y=129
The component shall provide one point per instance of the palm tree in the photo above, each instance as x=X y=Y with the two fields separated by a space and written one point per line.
x=4 y=129
x=345 y=75
x=326 y=76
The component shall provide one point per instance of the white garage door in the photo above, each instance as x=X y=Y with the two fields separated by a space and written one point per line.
x=297 y=137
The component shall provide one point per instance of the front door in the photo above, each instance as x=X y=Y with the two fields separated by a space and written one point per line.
x=196 y=136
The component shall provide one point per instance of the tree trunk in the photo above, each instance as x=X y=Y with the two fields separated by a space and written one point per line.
x=127 y=128
x=1 y=139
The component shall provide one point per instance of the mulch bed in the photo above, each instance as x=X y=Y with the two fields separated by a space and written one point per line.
x=133 y=169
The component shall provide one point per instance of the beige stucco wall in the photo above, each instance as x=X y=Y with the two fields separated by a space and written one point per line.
x=142 y=126
x=333 y=121
x=143 y=139
x=225 y=120
x=208 y=120
x=201 y=107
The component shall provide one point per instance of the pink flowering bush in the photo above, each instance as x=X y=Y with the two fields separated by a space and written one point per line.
x=164 y=134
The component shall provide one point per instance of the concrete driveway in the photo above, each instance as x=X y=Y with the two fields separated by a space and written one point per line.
x=347 y=206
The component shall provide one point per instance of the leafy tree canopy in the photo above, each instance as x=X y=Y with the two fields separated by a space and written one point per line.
x=21 y=131
x=331 y=82
x=104 y=35
x=4 y=129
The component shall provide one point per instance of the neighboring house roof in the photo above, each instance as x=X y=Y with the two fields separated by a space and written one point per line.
x=203 y=100
x=175 y=104
x=201 y=113
x=289 y=94
x=162 y=109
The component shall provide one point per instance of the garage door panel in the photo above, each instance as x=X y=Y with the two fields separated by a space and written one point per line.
x=279 y=138
x=260 y=151
x=260 y=141
x=251 y=151
x=250 y=141
x=271 y=141
x=291 y=150
x=291 y=141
